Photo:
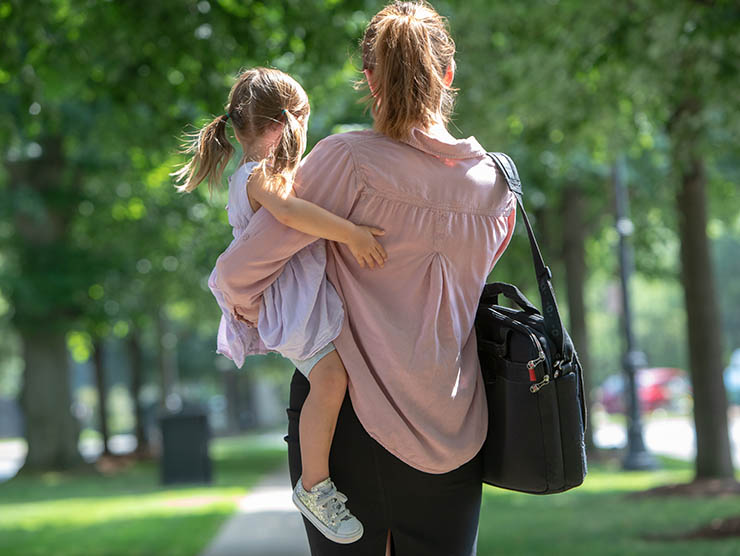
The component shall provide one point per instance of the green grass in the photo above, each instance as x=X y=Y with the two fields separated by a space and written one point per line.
x=129 y=514
x=598 y=518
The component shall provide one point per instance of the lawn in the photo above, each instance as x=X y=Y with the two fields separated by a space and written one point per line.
x=598 y=518
x=129 y=514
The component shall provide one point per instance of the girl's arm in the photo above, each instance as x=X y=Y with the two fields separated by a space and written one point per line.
x=311 y=219
x=255 y=260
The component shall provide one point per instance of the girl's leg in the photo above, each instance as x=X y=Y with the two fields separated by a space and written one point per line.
x=352 y=467
x=328 y=380
x=428 y=515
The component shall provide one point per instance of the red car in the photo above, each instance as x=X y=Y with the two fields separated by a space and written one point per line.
x=658 y=387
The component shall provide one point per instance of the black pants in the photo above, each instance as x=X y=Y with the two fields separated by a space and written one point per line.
x=427 y=514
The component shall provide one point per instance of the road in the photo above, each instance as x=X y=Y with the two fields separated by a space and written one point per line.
x=669 y=436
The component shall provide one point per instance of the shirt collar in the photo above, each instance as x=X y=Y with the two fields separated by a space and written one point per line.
x=444 y=145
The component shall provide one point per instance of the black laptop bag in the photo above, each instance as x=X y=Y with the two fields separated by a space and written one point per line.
x=533 y=380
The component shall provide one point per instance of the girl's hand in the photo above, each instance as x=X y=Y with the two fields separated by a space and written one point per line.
x=365 y=247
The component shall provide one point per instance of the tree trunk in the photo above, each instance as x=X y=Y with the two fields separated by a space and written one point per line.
x=713 y=456
x=233 y=406
x=574 y=257
x=43 y=304
x=51 y=429
x=99 y=366
x=136 y=362
x=167 y=358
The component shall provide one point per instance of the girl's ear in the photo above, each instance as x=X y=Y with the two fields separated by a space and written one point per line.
x=369 y=78
x=449 y=75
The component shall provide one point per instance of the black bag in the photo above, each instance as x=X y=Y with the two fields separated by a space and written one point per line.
x=533 y=380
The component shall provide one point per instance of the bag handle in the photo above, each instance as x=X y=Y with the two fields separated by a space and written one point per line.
x=510 y=291
x=550 y=313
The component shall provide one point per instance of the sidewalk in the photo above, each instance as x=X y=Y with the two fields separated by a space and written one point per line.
x=266 y=523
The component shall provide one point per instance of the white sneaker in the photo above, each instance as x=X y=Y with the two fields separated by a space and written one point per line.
x=324 y=506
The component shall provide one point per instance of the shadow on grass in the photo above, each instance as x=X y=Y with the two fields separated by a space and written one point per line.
x=236 y=463
x=129 y=513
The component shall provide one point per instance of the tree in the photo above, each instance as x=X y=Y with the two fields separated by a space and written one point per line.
x=51 y=430
x=94 y=95
x=688 y=54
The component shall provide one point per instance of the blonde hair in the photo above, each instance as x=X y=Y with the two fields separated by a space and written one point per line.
x=260 y=97
x=409 y=50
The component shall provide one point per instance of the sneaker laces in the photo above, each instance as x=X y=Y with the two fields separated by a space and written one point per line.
x=333 y=501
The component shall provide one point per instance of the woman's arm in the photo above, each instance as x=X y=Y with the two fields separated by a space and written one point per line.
x=254 y=261
x=313 y=220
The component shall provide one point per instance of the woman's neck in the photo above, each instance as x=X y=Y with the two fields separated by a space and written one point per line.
x=439 y=130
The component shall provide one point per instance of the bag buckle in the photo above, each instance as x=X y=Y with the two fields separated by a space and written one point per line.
x=562 y=367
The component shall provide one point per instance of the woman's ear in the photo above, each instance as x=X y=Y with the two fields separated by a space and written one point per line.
x=369 y=78
x=449 y=75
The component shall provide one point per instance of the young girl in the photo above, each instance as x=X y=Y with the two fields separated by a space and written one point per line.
x=301 y=312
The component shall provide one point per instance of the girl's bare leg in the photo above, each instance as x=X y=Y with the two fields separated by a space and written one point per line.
x=319 y=415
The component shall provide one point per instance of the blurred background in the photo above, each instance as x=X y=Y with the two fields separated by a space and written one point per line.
x=106 y=320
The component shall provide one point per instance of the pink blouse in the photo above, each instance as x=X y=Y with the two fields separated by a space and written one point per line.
x=407 y=340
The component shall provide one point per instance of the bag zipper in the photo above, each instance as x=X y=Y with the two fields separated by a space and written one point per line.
x=534 y=362
x=536 y=387
x=540 y=354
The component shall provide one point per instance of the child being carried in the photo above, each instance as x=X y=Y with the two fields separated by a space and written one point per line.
x=301 y=313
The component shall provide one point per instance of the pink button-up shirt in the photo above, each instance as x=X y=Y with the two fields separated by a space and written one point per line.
x=408 y=341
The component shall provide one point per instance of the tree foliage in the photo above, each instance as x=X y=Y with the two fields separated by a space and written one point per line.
x=94 y=95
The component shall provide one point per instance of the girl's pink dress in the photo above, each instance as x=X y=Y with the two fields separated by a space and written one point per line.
x=300 y=312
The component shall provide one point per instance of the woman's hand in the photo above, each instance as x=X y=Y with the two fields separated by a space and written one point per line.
x=365 y=247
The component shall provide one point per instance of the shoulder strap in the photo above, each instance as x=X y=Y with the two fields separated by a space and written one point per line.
x=550 y=312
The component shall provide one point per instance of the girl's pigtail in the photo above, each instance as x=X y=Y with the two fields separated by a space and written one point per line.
x=211 y=152
x=290 y=147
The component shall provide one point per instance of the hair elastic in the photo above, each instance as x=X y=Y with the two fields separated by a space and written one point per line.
x=227 y=115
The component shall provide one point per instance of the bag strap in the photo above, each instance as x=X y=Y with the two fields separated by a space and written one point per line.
x=550 y=313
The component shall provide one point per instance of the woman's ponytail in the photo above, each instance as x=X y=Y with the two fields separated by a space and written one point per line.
x=210 y=152
x=409 y=50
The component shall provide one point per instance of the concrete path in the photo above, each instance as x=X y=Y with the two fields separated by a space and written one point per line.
x=265 y=524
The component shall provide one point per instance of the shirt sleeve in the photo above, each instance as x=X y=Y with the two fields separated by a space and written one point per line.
x=252 y=263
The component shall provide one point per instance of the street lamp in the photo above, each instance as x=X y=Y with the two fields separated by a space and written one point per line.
x=637 y=455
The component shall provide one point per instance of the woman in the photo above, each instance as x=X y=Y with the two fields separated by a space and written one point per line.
x=407 y=441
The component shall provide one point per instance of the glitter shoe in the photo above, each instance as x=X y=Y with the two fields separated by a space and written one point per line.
x=324 y=507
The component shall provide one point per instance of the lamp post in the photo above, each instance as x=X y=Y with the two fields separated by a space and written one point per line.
x=637 y=456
